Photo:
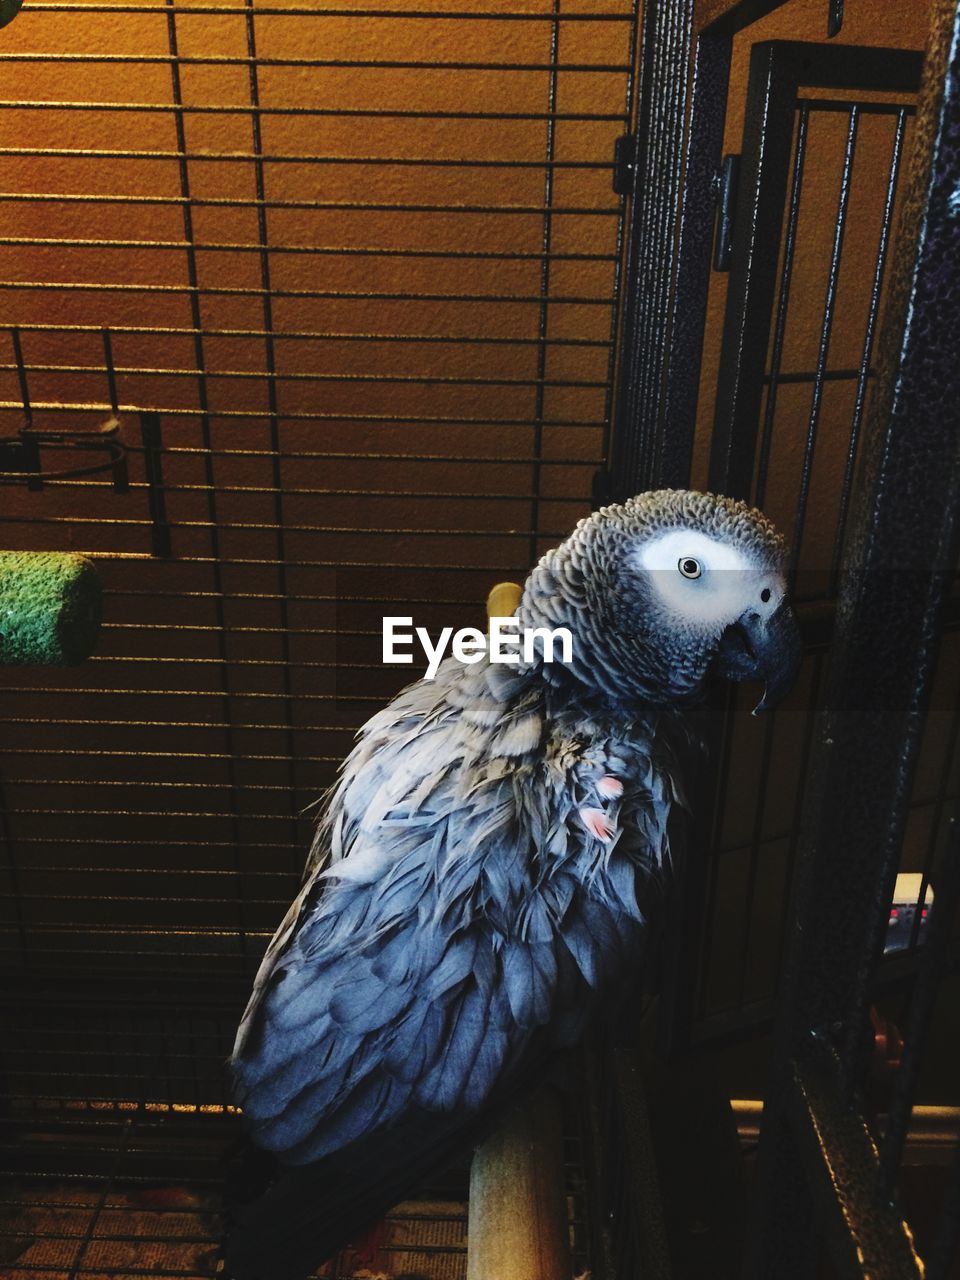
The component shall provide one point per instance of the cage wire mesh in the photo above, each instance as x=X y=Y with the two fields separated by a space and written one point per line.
x=346 y=277
x=314 y=476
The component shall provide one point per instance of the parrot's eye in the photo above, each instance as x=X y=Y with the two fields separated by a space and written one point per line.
x=689 y=567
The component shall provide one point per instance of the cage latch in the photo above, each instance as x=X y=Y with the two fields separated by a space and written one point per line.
x=624 y=163
x=725 y=188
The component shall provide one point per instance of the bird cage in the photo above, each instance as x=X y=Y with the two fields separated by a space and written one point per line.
x=318 y=314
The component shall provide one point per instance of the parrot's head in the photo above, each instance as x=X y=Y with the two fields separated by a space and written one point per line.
x=664 y=588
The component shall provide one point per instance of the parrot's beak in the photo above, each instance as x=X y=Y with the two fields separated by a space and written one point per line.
x=758 y=648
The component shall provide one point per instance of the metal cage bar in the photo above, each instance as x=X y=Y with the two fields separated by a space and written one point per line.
x=777 y=71
x=900 y=556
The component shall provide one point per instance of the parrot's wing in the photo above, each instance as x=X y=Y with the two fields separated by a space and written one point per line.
x=459 y=921
x=392 y=983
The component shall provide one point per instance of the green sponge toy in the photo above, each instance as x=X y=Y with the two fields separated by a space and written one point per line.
x=49 y=608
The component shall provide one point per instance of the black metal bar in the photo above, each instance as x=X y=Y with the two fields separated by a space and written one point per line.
x=274 y=420
x=21 y=375
x=273 y=375
x=121 y=479
x=670 y=439
x=205 y=422
x=239 y=291
x=137 y=843
x=624 y=163
x=305 y=562
x=313 y=250
x=771 y=93
x=29 y=455
x=916 y=542
x=842 y=106
x=776 y=71
x=347 y=113
x=864 y=371
x=348 y=64
x=243 y=157
x=866 y=1236
x=318 y=492
x=665 y=72
x=900 y=554
x=677 y=419
x=302 y=335
x=156 y=494
x=252 y=415
x=826 y=328
x=101 y=1203
x=147 y=784
x=730 y=16
x=622 y=185
x=192 y=872
x=775 y=377
x=379 y=457
x=653 y=221
x=727 y=181
x=267 y=527
x=546 y=242
x=801 y=376
x=940 y=805
x=458 y=15
x=352 y=206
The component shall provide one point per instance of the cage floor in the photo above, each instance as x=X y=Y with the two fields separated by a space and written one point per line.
x=123 y=1192
x=86 y=1204
x=114 y=1128
x=66 y=1230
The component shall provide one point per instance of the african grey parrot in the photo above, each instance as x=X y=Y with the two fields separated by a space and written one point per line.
x=488 y=867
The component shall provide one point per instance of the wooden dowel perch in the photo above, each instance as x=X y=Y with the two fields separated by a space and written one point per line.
x=503 y=600
x=518 y=1227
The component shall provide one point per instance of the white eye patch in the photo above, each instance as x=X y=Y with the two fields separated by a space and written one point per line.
x=727 y=581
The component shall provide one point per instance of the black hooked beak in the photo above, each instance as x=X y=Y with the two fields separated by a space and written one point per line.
x=762 y=648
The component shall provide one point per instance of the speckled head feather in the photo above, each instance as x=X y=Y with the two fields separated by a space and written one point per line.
x=727 y=518
x=633 y=641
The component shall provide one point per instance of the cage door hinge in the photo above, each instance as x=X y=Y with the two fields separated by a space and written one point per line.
x=624 y=163
x=725 y=193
